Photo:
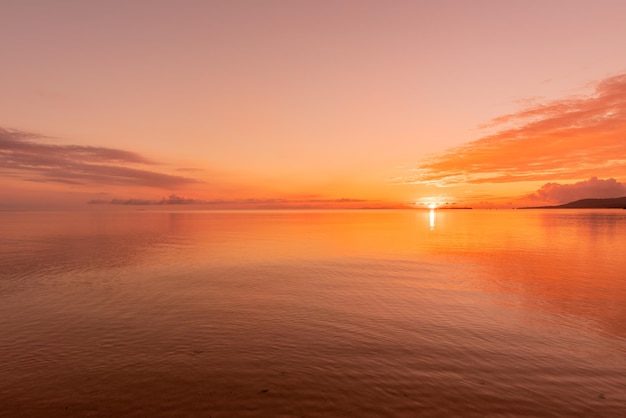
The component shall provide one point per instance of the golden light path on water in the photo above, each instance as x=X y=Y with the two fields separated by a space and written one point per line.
x=432 y=218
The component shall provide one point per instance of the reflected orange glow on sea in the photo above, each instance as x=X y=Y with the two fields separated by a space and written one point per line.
x=313 y=313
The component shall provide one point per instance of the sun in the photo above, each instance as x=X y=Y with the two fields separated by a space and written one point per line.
x=431 y=202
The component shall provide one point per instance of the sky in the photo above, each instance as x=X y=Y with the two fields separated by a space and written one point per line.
x=311 y=104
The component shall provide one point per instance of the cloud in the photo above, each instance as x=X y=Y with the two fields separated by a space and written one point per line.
x=189 y=169
x=268 y=203
x=566 y=139
x=592 y=188
x=23 y=155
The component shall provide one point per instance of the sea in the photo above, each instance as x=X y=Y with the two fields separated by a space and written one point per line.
x=164 y=311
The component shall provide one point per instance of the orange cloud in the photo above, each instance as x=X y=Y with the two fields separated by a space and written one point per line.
x=25 y=157
x=592 y=188
x=567 y=139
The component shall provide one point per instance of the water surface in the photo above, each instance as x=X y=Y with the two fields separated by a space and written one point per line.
x=304 y=313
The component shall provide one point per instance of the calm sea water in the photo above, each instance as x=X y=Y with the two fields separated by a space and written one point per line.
x=316 y=314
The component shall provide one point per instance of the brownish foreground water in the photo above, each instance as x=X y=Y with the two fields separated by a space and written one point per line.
x=347 y=313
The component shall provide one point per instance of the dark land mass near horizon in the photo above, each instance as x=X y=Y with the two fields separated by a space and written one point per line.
x=612 y=203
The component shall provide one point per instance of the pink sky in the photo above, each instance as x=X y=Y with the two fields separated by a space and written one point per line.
x=311 y=104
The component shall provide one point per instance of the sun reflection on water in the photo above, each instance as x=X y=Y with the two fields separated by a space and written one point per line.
x=432 y=218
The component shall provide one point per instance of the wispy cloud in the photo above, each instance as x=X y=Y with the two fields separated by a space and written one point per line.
x=252 y=203
x=189 y=169
x=565 y=139
x=592 y=188
x=24 y=155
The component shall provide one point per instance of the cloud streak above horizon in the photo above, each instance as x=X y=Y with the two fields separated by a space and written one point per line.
x=574 y=138
x=24 y=156
x=255 y=203
x=592 y=188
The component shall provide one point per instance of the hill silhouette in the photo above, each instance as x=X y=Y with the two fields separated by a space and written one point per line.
x=612 y=203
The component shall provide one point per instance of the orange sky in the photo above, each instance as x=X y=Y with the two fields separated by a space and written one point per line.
x=258 y=104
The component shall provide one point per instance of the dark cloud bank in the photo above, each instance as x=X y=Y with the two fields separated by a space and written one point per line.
x=587 y=189
x=236 y=203
x=26 y=156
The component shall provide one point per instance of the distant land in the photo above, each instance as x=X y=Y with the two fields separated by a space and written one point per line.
x=613 y=203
